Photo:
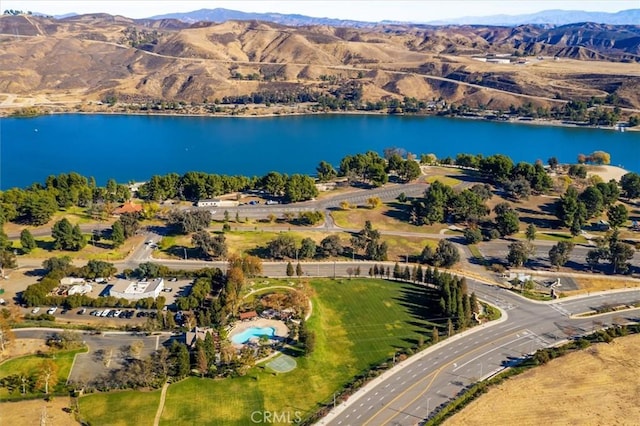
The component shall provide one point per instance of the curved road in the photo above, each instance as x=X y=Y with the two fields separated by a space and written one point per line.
x=413 y=390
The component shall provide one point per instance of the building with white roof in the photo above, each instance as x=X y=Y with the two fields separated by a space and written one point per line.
x=136 y=290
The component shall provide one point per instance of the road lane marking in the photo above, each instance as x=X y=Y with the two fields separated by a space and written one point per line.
x=425 y=390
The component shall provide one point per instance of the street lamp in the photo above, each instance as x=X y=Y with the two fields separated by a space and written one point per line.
x=480 y=370
x=185 y=252
x=428 y=412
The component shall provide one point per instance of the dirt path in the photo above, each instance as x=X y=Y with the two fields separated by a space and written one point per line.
x=163 y=396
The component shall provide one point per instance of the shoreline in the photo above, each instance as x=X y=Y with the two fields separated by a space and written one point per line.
x=517 y=120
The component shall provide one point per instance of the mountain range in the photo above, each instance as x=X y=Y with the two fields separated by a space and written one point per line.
x=550 y=17
x=87 y=58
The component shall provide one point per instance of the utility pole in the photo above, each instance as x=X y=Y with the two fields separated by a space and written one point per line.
x=185 y=252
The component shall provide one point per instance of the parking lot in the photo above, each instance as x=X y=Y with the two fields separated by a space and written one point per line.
x=110 y=351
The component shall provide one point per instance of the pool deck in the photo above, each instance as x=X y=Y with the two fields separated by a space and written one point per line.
x=281 y=330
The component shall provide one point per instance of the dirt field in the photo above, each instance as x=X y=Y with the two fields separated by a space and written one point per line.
x=28 y=413
x=587 y=285
x=598 y=386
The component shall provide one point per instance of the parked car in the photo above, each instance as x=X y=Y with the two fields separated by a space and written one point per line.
x=52 y=310
x=35 y=310
x=82 y=311
x=105 y=312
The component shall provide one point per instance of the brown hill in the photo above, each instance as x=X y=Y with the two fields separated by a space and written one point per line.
x=87 y=57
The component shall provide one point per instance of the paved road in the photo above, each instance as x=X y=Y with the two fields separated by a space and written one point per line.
x=414 y=390
x=498 y=249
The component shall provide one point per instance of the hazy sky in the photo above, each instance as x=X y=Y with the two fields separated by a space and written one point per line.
x=364 y=10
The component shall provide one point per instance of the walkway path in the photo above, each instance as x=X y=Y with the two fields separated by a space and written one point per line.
x=163 y=396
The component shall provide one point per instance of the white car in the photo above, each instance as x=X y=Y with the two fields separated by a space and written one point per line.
x=105 y=312
x=52 y=310
x=35 y=310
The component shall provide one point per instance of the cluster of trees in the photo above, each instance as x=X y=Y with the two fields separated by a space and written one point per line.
x=36 y=204
x=596 y=157
x=211 y=247
x=67 y=236
x=446 y=254
x=574 y=209
x=151 y=372
x=367 y=168
x=614 y=251
x=194 y=186
x=188 y=221
x=406 y=169
x=630 y=184
x=44 y=378
x=441 y=202
x=306 y=338
x=124 y=228
x=368 y=239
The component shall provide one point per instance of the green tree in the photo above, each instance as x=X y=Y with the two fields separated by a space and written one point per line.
x=519 y=253
x=7 y=260
x=326 y=172
x=619 y=254
x=38 y=207
x=67 y=236
x=530 y=233
x=409 y=170
x=282 y=246
x=290 y=270
x=472 y=235
x=300 y=188
x=330 y=246
x=507 y=220
x=117 y=233
x=618 y=215
x=446 y=254
x=210 y=246
x=299 y=271
x=27 y=241
x=571 y=211
x=307 y=249
x=593 y=201
x=560 y=253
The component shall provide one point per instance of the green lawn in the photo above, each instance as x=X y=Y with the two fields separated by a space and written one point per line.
x=358 y=323
x=445 y=180
x=120 y=408
x=28 y=366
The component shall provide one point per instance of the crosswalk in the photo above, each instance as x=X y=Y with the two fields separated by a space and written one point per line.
x=558 y=308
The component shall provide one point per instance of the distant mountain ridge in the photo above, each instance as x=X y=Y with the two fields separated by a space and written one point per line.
x=222 y=15
x=550 y=17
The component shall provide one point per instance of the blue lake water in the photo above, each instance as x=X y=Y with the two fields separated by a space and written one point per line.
x=129 y=147
x=252 y=332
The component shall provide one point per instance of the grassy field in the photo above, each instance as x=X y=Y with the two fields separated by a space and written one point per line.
x=596 y=386
x=28 y=366
x=120 y=408
x=446 y=180
x=358 y=323
x=388 y=217
x=254 y=242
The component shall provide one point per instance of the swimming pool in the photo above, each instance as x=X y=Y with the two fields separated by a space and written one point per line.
x=252 y=332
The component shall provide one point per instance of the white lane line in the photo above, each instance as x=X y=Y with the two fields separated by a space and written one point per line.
x=487 y=352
